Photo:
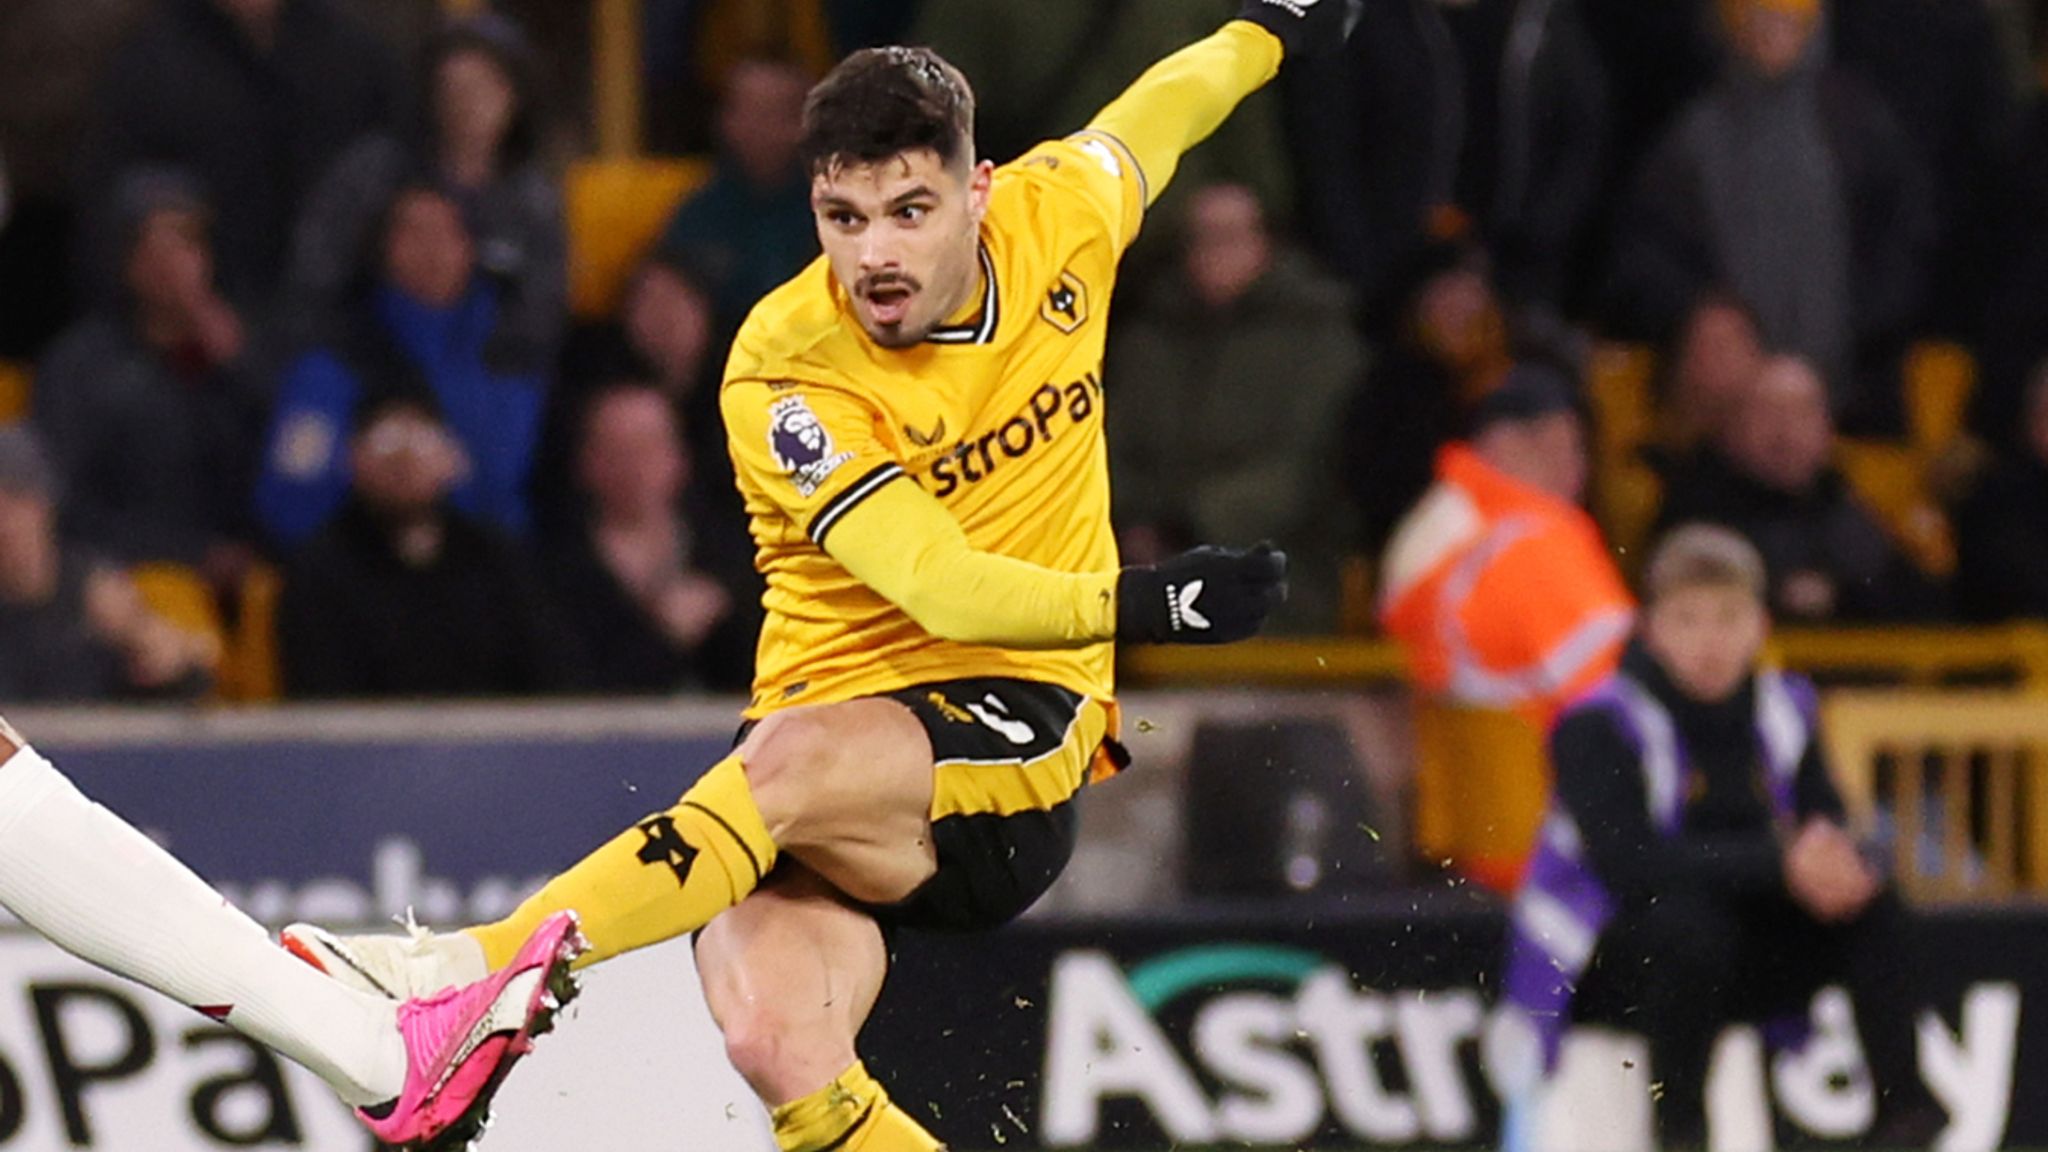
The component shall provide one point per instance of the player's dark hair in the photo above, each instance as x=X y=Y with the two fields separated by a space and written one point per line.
x=880 y=102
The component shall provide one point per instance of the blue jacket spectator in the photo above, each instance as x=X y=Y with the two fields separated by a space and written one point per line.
x=479 y=139
x=423 y=328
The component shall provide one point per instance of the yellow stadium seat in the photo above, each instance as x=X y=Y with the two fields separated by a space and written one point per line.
x=182 y=597
x=1482 y=784
x=1892 y=479
x=15 y=379
x=730 y=31
x=616 y=210
x=1626 y=491
x=1939 y=380
x=179 y=595
x=1618 y=383
x=251 y=672
x=1357 y=608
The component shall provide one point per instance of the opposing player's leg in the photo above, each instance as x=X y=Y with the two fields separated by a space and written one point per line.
x=106 y=893
x=791 y=975
x=99 y=889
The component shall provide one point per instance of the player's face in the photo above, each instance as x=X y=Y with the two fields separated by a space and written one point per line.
x=1707 y=638
x=901 y=235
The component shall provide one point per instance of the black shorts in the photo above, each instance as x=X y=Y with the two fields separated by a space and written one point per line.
x=1008 y=757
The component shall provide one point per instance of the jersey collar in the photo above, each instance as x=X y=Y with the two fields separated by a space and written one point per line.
x=979 y=329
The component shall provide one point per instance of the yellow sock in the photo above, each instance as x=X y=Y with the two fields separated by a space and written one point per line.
x=851 y=1114
x=665 y=876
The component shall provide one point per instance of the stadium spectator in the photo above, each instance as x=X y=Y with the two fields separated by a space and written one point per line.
x=665 y=333
x=2014 y=336
x=1941 y=70
x=1204 y=447
x=656 y=608
x=1696 y=869
x=72 y=627
x=404 y=596
x=1448 y=347
x=1717 y=357
x=1658 y=58
x=1498 y=586
x=478 y=138
x=256 y=98
x=2002 y=526
x=151 y=406
x=1789 y=187
x=1770 y=477
x=1043 y=70
x=51 y=56
x=425 y=325
x=750 y=227
x=1430 y=114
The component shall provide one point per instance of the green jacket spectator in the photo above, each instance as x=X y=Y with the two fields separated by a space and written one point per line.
x=1226 y=390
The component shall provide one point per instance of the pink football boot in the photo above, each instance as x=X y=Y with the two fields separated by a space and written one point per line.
x=461 y=1042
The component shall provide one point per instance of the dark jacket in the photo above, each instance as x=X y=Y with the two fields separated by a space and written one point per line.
x=1939 y=68
x=1497 y=108
x=48 y=653
x=516 y=223
x=1728 y=842
x=257 y=129
x=1825 y=530
x=157 y=455
x=744 y=241
x=1226 y=422
x=1664 y=257
x=1407 y=409
x=597 y=355
x=400 y=344
x=357 y=621
x=2002 y=543
x=625 y=651
x=1042 y=70
x=2014 y=333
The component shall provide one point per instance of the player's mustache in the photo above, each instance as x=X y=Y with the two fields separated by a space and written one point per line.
x=869 y=285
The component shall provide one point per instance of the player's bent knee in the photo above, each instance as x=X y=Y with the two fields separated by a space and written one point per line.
x=780 y=1058
x=786 y=746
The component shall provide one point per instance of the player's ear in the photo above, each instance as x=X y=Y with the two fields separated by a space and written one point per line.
x=980 y=179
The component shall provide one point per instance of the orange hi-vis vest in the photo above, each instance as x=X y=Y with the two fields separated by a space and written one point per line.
x=1500 y=594
x=1507 y=606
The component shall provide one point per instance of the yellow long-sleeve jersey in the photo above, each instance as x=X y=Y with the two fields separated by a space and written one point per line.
x=942 y=511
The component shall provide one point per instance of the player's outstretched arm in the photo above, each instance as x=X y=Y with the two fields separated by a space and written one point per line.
x=904 y=544
x=1179 y=101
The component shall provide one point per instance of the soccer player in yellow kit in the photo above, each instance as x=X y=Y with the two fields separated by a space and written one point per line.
x=916 y=422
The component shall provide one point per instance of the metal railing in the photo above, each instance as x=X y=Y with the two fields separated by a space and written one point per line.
x=2014 y=655
x=1959 y=780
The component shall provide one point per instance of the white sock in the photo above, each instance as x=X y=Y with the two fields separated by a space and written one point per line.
x=106 y=893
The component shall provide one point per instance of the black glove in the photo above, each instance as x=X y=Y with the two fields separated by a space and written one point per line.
x=1207 y=596
x=1305 y=27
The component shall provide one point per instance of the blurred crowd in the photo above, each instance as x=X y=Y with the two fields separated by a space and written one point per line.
x=289 y=281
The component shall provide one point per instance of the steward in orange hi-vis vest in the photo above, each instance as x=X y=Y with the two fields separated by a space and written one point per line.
x=1497 y=585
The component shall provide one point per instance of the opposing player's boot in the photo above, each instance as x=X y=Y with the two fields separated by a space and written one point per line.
x=414 y=966
x=461 y=1042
